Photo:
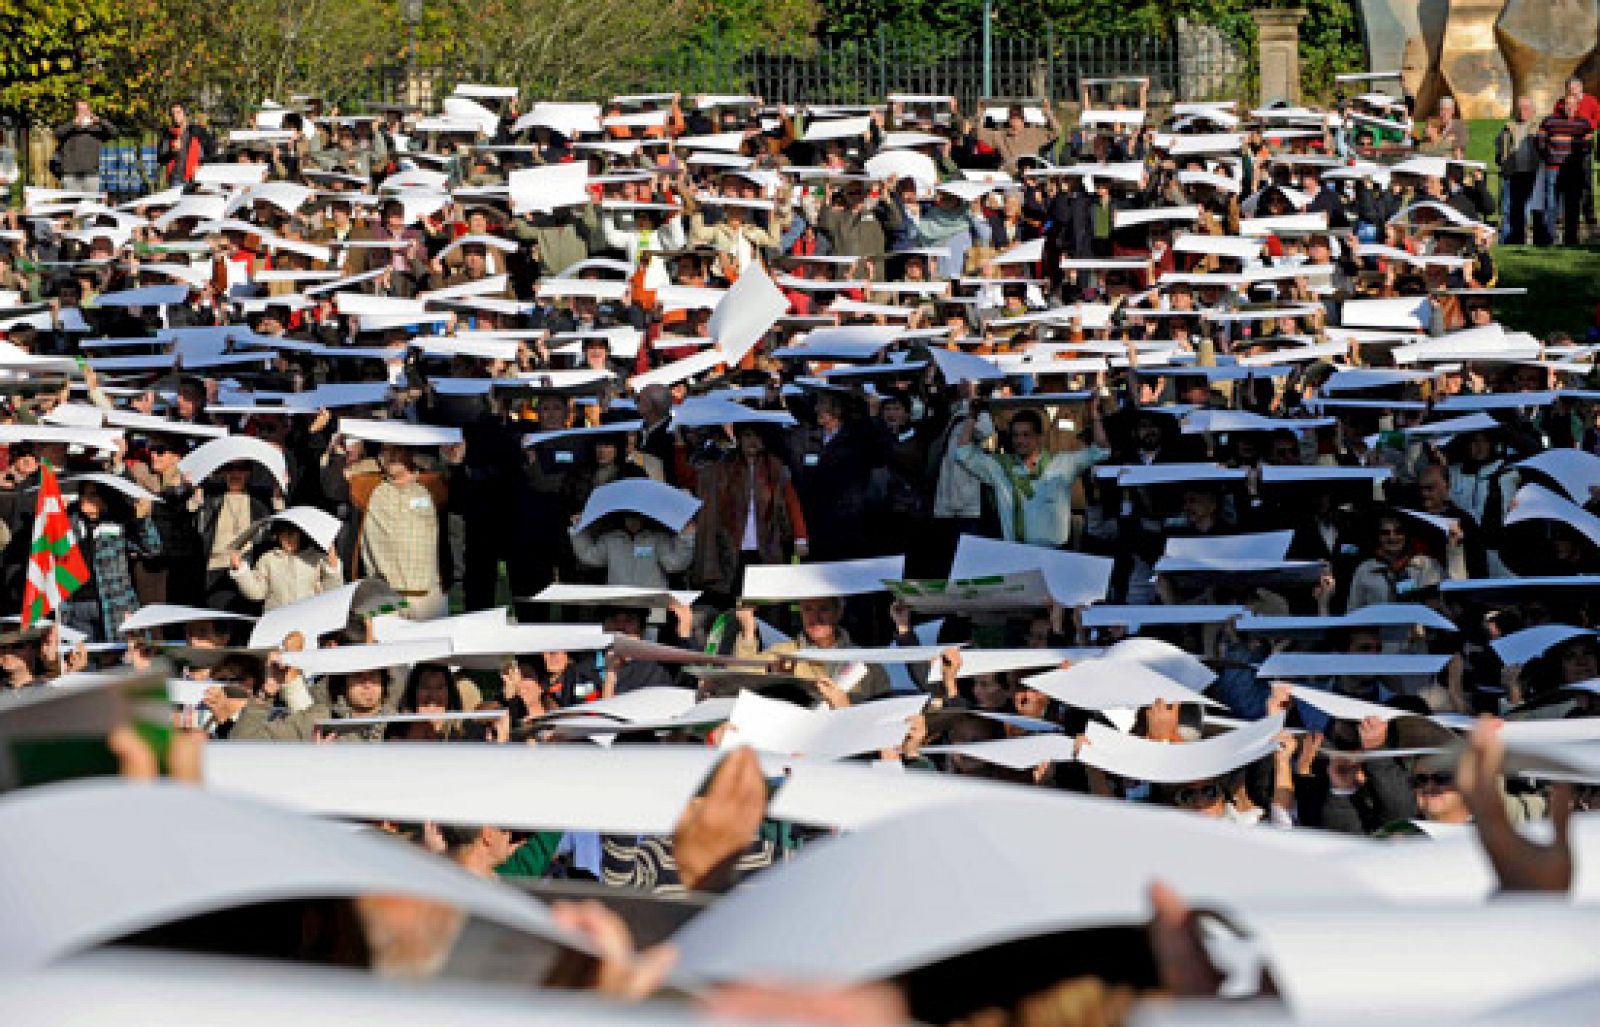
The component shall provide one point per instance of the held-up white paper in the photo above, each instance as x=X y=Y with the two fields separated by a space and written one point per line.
x=351 y=659
x=747 y=312
x=1019 y=753
x=399 y=433
x=673 y=508
x=1317 y=665
x=1128 y=756
x=788 y=582
x=313 y=617
x=782 y=728
x=1074 y=579
x=204 y=461
x=1113 y=684
x=160 y=615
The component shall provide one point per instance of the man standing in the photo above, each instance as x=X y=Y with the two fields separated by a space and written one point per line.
x=78 y=148
x=184 y=147
x=1588 y=108
x=1564 y=140
x=1518 y=158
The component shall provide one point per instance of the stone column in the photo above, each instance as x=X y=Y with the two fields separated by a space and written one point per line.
x=1278 y=47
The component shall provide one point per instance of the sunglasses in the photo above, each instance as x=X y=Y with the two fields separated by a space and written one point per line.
x=1200 y=795
x=1420 y=781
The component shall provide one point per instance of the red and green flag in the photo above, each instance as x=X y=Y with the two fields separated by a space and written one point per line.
x=55 y=566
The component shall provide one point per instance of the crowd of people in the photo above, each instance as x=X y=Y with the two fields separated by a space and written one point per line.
x=1171 y=457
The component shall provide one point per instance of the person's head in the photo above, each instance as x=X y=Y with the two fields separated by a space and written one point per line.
x=992 y=692
x=1433 y=782
x=751 y=444
x=1208 y=798
x=236 y=476
x=1030 y=702
x=1026 y=432
x=1433 y=488
x=478 y=849
x=1525 y=108
x=553 y=412
x=363 y=691
x=1016 y=120
x=90 y=503
x=430 y=689
x=1147 y=433
x=290 y=539
x=1363 y=642
x=191 y=398
x=1480 y=447
x=1576 y=660
x=596 y=353
x=830 y=412
x=394 y=215
x=1447 y=108
x=1200 y=506
x=895 y=411
x=80 y=109
x=1392 y=538
x=399 y=464
x=180 y=114
x=819 y=618
x=1284 y=450
x=1574 y=90
x=624 y=620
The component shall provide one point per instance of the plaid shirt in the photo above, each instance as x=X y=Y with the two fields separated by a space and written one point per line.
x=110 y=549
x=400 y=538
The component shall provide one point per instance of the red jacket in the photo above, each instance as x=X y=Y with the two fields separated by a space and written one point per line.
x=1588 y=109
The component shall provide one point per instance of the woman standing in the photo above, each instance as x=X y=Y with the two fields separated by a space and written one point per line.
x=110 y=531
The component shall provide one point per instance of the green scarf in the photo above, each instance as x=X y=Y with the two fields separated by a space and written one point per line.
x=1022 y=481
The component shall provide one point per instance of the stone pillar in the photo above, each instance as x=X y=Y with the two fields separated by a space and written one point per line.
x=1278 y=47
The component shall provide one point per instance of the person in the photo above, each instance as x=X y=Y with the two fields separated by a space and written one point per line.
x=1017 y=139
x=1517 y=155
x=184 y=147
x=1564 y=140
x=400 y=534
x=750 y=514
x=1032 y=486
x=635 y=553
x=1397 y=560
x=819 y=626
x=288 y=573
x=110 y=532
x=78 y=143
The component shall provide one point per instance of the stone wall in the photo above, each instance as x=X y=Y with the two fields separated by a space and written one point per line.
x=1485 y=53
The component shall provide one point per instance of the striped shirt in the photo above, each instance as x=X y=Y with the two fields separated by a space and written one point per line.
x=1560 y=138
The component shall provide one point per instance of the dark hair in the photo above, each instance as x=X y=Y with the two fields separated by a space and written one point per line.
x=408 y=697
x=1028 y=416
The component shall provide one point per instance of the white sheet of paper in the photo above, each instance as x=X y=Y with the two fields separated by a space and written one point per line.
x=784 y=729
x=1536 y=503
x=313 y=617
x=785 y=582
x=1164 y=658
x=888 y=654
x=713 y=411
x=349 y=659
x=837 y=128
x=1100 y=616
x=657 y=703
x=1344 y=707
x=1112 y=685
x=1461 y=948
x=628 y=790
x=1001 y=661
x=1378 y=615
x=1020 y=753
x=160 y=615
x=1317 y=665
x=1519 y=647
x=398 y=433
x=612 y=595
x=1574 y=470
x=679 y=370
x=672 y=507
x=236 y=852
x=1074 y=579
x=856 y=908
x=319 y=525
x=545 y=189
x=1141 y=759
x=201 y=463
x=749 y=310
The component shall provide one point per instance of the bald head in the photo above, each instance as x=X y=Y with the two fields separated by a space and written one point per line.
x=654 y=403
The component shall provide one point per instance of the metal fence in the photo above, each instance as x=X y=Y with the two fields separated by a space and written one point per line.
x=867 y=70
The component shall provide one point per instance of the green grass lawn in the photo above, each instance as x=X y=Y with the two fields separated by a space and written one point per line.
x=1563 y=288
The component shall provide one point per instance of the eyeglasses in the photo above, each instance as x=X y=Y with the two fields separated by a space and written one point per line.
x=1199 y=795
x=1421 y=781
